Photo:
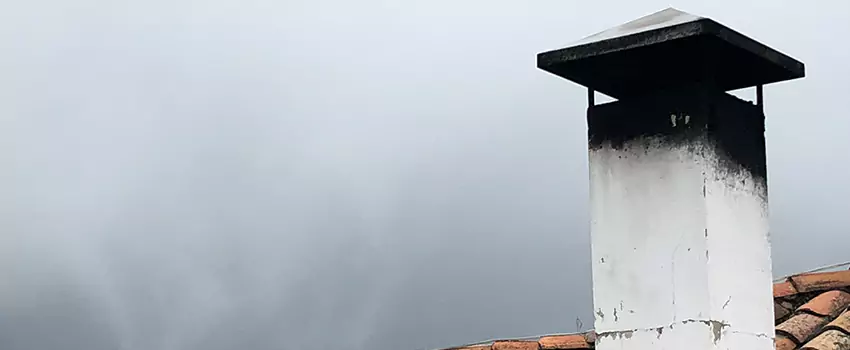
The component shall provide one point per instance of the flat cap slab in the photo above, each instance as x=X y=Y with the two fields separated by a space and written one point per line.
x=665 y=50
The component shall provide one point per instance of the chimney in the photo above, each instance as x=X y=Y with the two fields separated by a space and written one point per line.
x=678 y=187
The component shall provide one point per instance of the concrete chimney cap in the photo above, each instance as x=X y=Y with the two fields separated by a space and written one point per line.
x=669 y=49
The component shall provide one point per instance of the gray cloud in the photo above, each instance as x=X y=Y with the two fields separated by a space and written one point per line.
x=364 y=175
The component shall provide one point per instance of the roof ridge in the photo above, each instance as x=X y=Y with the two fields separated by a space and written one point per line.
x=815 y=270
x=588 y=336
x=797 y=293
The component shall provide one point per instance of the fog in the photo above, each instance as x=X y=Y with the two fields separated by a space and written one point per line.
x=338 y=174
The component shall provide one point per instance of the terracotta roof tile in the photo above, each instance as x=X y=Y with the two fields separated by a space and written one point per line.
x=829 y=303
x=783 y=289
x=473 y=347
x=829 y=340
x=801 y=326
x=821 y=281
x=564 y=342
x=515 y=345
x=842 y=322
x=784 y=343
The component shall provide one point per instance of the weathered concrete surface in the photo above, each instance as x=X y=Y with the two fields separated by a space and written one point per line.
x=679 y=225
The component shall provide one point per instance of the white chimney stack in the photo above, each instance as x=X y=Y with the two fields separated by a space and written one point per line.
x=679 y=210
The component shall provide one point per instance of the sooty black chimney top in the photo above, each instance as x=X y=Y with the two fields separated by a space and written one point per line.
x=665 y=50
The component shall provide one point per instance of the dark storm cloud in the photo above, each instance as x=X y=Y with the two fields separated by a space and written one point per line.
x=360 y=175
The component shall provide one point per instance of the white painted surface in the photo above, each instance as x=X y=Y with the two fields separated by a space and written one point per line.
x=681 y=244
x=665 y=18
x=739 y=253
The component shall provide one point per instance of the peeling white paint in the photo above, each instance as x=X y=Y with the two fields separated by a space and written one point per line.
x=685 y=247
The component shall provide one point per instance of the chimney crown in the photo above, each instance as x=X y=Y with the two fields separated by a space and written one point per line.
x=669 y=49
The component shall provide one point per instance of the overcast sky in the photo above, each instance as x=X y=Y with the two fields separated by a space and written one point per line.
x=249 y=174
